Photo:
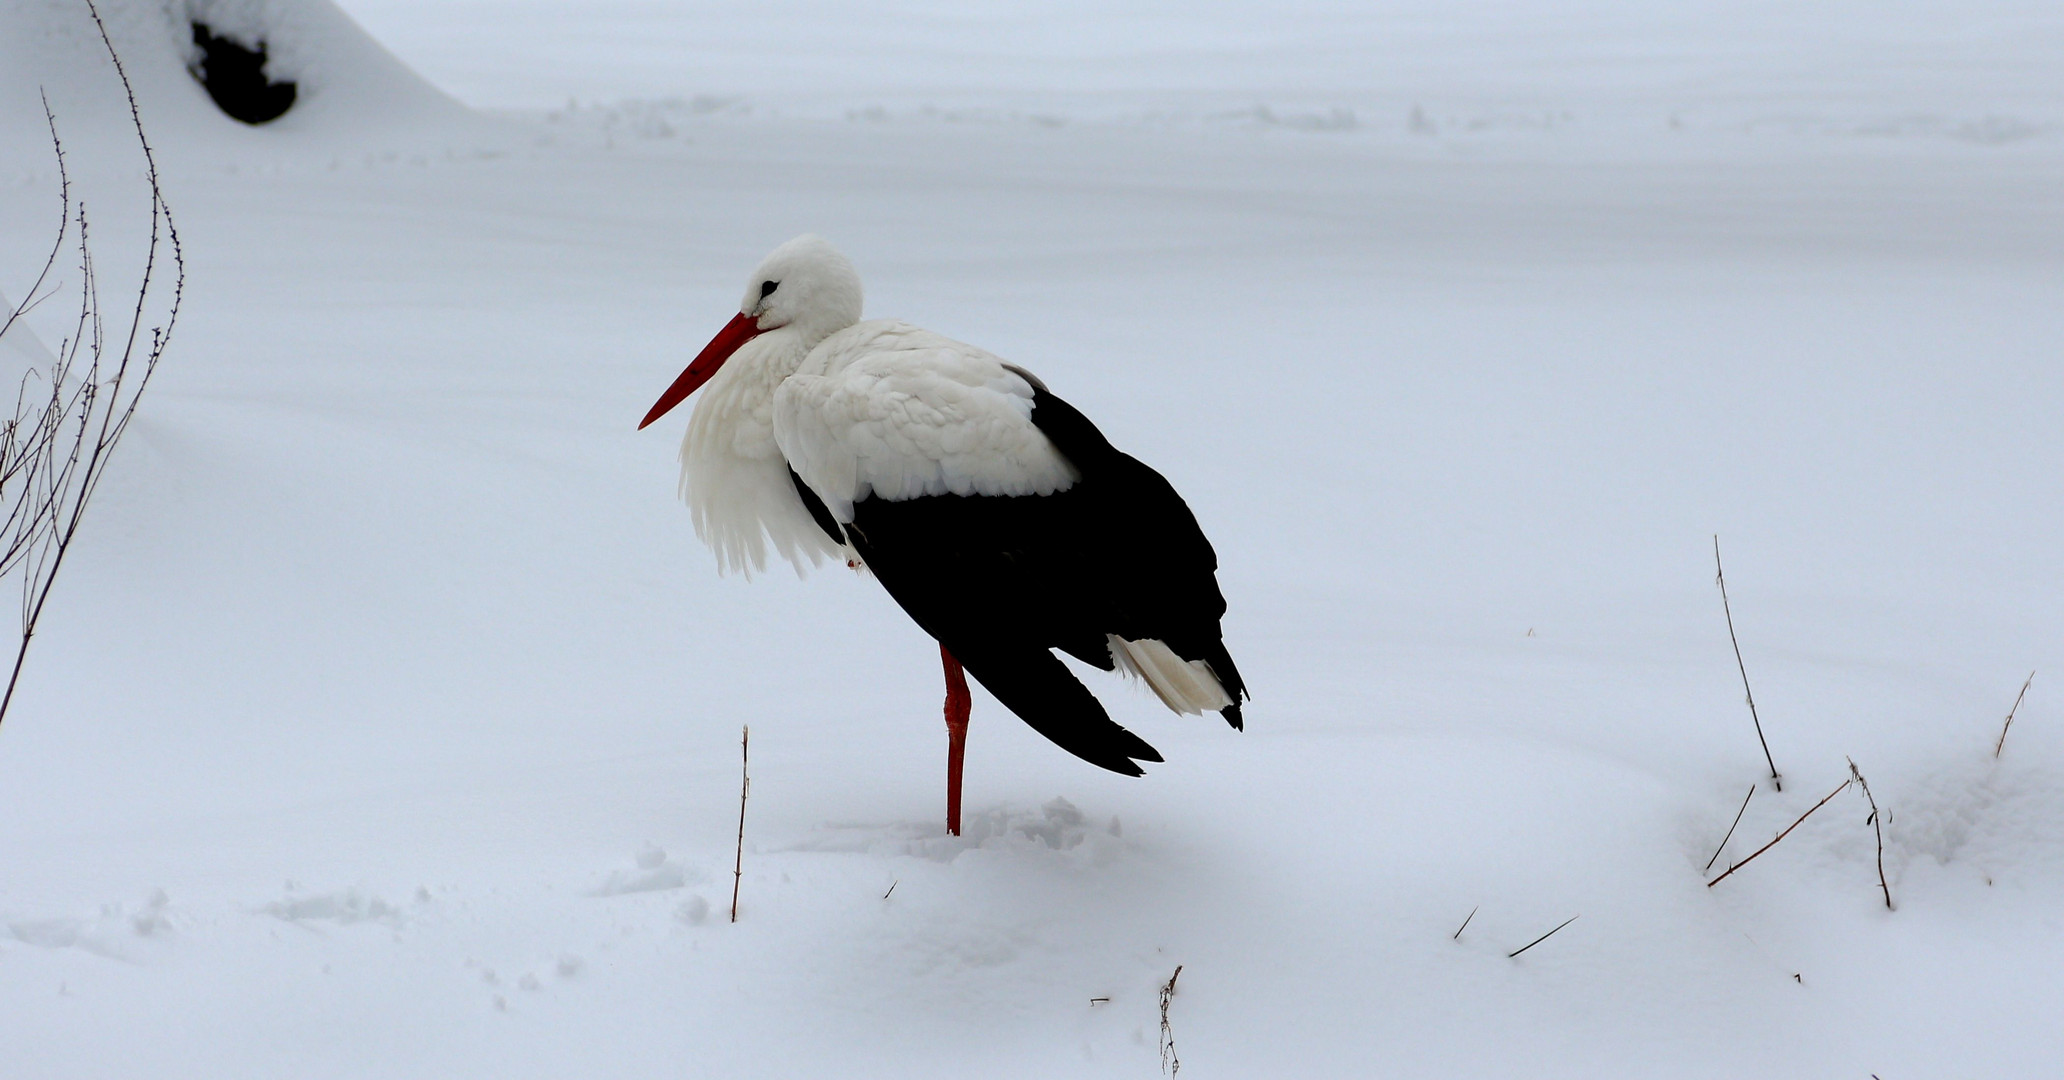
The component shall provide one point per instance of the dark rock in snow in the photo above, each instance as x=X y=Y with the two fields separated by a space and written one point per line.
x=234 y=75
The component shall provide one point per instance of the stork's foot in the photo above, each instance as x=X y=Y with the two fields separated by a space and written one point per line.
x=958 y=703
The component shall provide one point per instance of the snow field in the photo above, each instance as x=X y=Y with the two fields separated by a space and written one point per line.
x=388 y=723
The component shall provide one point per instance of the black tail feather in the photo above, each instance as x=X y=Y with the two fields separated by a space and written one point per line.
x=1033 y=683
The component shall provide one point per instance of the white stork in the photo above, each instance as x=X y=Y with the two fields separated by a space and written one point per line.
x=994 y=512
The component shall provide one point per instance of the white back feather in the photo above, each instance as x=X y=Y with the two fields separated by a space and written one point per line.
x=885 y=409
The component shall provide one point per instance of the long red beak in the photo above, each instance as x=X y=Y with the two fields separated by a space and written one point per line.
x=741 y=329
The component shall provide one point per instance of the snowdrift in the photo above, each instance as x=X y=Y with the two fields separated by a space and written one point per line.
x=218 y=79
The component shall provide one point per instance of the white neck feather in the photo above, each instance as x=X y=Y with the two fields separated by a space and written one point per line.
x=733 y=477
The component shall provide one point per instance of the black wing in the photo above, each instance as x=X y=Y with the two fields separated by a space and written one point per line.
x=1159 y=573
x=1001 y=581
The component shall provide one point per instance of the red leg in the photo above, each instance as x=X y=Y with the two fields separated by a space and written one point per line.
x=957 y=705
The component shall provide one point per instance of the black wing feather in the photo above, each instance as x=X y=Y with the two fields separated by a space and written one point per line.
x=819 y=513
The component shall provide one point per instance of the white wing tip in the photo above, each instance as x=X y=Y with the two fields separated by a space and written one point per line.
x=1186 y=686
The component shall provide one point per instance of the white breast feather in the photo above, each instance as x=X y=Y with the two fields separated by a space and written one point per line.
x=887 y=410
x=735 y=480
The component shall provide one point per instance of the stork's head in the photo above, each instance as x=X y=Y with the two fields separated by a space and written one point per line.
x=804 y=288
x=805 y=284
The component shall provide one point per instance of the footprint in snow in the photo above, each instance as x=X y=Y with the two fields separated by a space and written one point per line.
x=342 y=907
x=104 y=934
x=654 y=872
x=1057 y=826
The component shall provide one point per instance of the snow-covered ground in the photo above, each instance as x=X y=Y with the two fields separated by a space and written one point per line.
x=386 y=723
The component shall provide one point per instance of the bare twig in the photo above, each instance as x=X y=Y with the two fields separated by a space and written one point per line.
x=1170 y=1064
x=56 y=454
x=1540 y=939
x=1877 y=823
x=744 y=786
x=1730 y=828
x=64 y=221
x=2010 y=714
x=1780 y=836
x=1720 y=577
x=1465 y=922
x=892 y=888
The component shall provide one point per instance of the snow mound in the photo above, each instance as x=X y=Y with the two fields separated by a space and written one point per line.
x=2001 y=818
x=231 y=75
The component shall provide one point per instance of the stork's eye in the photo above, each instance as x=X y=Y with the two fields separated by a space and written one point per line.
x=767 y=288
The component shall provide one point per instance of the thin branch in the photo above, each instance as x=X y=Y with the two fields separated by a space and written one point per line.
x=1780 y=836
x=1730 y=828
x=1540 y=939
x=111 y=428
x=64 y=220
x=1720 y=576
x=158 y=207
x=1170 y=1064
x=2002 y=745
x=60 y=457
x=1465 y=923
x=744 y=786
x=1877 y=823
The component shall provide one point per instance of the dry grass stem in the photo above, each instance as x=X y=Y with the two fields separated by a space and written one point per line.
x=744 y=786
x=1877 y=824
x=1787 y=832
x=2002 y=745
x=1170 y=1064
x=1731 y=827
x=1465 y=922
x=1540 y=939
x=1720 y=577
